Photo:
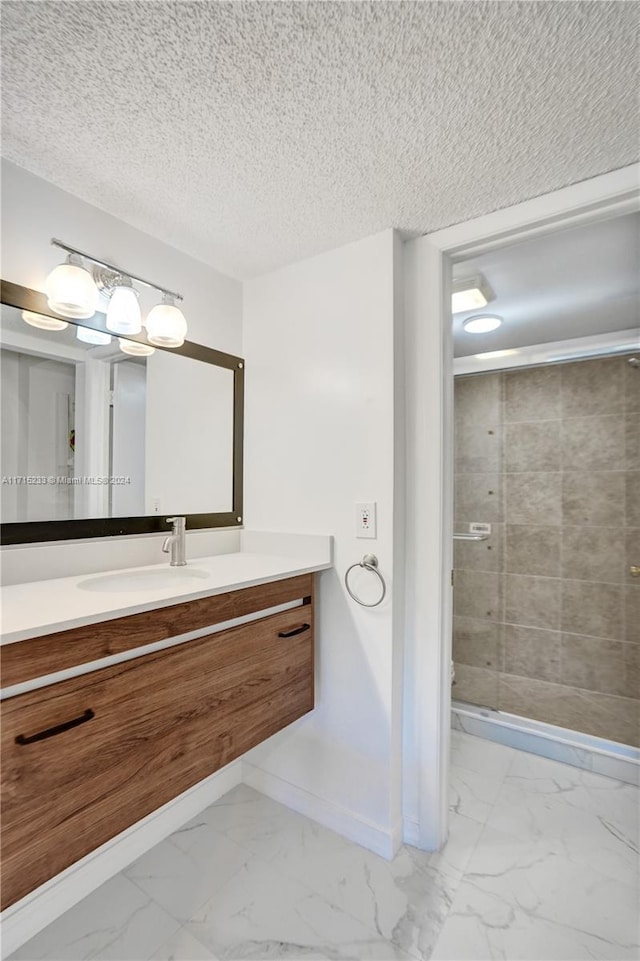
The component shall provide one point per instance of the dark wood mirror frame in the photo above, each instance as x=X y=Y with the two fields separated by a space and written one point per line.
x=29 y=532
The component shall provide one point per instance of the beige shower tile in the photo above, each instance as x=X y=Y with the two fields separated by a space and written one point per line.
x=632 y=387
x=531 y=652
x=632 y=497
x=632 y=558
x=478 y=449
x=594 y=664
x=478 y=399
x=478 y=594
x=477 y=642
x=632 y=669
x=532 y=394
x=478 y=497
x=603 y=715
x=532 y=446
x=632 y=612
x=533 y=550
x=594 y=498
x=477 y=685
x=595 y=610
x=532 y=601
x=481 y=555
x=632 y=441
x=533 y=498
x=594 y=554
x=593 y=443
x=593 y=387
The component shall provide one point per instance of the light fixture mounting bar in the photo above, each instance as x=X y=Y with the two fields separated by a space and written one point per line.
x=118 y=270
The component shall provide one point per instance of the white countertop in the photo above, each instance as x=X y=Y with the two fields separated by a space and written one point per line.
x=59 y=604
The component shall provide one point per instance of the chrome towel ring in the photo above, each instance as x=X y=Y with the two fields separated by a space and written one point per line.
x=370 y=563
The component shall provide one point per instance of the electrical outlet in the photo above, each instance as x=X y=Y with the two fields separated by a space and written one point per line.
x=366 y=519
x=155 y=505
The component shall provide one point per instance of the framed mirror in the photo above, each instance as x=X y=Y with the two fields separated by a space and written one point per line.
x=99 y=441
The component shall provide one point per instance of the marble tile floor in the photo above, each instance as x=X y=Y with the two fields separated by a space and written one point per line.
x=541 y=863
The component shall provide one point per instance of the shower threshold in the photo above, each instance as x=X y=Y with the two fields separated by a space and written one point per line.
x=620 y=761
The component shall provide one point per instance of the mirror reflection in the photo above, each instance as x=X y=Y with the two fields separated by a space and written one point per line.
x=90 y=431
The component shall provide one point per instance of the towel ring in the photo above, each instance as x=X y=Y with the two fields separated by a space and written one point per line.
x=370 y=563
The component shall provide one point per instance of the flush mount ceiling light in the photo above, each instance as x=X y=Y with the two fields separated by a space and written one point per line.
x=90 y=336
x=482 y=323
x=42 y=322
x=135 y=349
x=166 y=325
x=470 y=293
x=71 y=290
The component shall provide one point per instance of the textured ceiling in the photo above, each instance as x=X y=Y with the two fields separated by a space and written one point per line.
x=565 y=284
x=253 y=134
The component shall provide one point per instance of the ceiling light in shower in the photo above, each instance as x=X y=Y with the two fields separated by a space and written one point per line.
x=90 y=336
x=135 y=349
x=470 y=293
x=43 y=322
x=71 y=290
x=482 y=323
x=166 y=326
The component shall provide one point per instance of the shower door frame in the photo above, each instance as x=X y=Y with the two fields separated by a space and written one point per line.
x=429 y=493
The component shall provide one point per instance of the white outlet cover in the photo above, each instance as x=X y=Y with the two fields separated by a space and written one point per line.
x=366 y=519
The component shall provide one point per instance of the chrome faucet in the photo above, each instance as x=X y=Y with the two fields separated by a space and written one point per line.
x=176 y=541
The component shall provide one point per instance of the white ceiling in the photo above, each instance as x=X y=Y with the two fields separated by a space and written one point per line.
x=253 y=134
x=565 y=284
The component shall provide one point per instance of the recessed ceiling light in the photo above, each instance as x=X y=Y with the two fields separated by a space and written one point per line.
x=482 y=323
x=470 y=293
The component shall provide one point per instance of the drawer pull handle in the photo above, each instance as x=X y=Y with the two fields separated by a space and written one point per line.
x=296 y=630
x=58 y=729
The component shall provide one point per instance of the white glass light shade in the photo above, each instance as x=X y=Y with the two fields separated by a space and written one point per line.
x=166 y=326
x=123 y=312
x=42 y=322
x=90 y=336
x=71 y=290
x=135 y=349
x=482 y=324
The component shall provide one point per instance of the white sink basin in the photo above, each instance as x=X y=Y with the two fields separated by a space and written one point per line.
x=146 y=580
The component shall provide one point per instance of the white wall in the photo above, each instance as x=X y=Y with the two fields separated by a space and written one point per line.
x=319 y=436
x=34 y=211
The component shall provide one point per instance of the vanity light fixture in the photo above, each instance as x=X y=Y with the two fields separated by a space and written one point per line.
x=71 y=290
x=470 y=293
x=166 y=325
x=482 y=323
x=135 y=349
x=42 y=322
x=90 y=336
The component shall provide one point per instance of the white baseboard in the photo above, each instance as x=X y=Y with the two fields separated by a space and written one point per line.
x=36 y=910
x=411 y=832
x=372 y=836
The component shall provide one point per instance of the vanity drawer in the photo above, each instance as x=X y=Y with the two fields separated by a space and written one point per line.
x=144 y=731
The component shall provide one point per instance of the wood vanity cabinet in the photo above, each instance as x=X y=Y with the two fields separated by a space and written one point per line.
x=85 y=758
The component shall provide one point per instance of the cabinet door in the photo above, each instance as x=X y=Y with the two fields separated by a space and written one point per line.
x=86 y=758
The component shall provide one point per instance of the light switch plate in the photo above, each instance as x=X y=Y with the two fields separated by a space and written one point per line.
x=366 y=519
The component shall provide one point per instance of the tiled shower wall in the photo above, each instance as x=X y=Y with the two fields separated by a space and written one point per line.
x=546 y=613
